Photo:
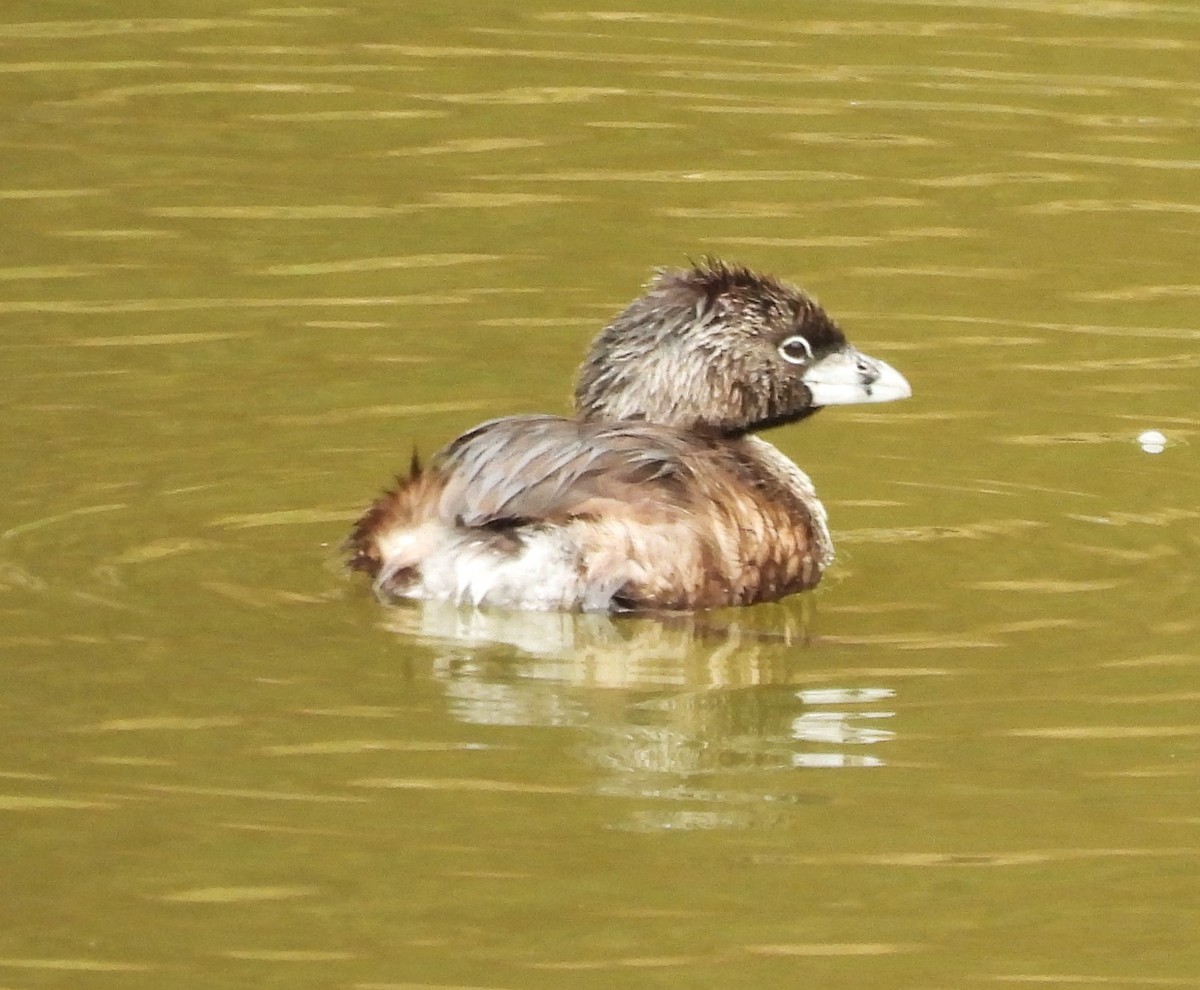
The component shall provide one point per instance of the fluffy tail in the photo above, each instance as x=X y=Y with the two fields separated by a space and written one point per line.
x=395 y=510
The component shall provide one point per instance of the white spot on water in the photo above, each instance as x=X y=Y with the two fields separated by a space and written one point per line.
x=1152 y=441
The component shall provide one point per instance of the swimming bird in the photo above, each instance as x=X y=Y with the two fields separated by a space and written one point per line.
x=657 y=494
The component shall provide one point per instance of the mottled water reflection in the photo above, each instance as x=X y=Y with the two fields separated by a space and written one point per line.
x=660 y=702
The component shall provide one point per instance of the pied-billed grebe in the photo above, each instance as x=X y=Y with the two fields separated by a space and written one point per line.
x=657 y=495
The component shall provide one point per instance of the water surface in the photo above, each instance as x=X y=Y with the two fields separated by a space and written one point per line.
x=254 y=255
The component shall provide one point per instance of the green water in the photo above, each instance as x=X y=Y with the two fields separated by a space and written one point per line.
x=254 y=255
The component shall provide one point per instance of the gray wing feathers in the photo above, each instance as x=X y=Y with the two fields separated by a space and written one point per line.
x=546 y=467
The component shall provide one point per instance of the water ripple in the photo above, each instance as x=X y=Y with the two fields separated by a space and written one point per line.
x=1123 y=43
x=462 y=784
x=320 y=211
x=916 y=641
x=178 y=305
x=836 y=28
x=120 y=234
x=15 y=802
x=488 y=201
x=1066 y=206
x=527 y=95
x=121 y=25
x=1092 y=979
x=1046 y=586
x=1059 y=439
x=1157 y=660
x=985 y=180
x=49 y=193
x=944 y=271
x=120 y=94
x=832 y=948
x=872 y=141
x=290 y=955
x=470 y=146
x=158 y=723
x=1108 y=732
x=159 y=339
x=924 y=860
x=830 y=241
x=75 y=965
x=923 y=534
x=682 y=175
x=282 y=517
x=36 y=272
x=1144 y=293
x=307 y=116
x=378 y=264
x=1179 y=164
x=252 y=795
x=1166 y=362
x=1096 y=329
x=382 y=411
x=237 y=895
x=898 y=236
x=323 y=51
x=354 y=747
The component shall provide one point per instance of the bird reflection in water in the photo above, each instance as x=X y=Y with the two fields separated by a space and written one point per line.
x=680 y=706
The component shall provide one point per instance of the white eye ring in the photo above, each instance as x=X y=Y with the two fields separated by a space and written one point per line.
x=791 y=348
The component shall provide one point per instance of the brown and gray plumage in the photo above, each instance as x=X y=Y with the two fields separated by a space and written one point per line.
x=657 y=495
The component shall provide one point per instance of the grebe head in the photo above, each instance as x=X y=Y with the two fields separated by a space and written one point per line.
x=721 y=348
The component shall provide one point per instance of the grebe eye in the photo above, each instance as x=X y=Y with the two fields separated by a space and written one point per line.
x=796 y=350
